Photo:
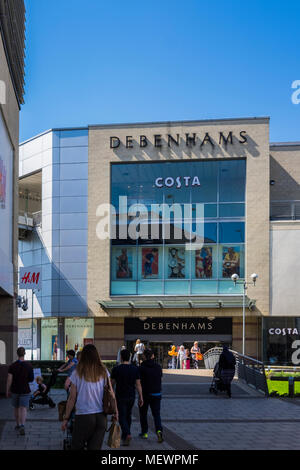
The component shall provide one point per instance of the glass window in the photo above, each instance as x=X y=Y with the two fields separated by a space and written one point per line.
x=123 y=263
x=78 y=332
x=232 y=210
x=231 y=232
x=232 y=261
x=202 y=194
x=49 y=339
x=232 y=180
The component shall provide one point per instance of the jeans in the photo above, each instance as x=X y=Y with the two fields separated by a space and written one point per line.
x=154 y=403
x=89 y=430
x=125 y=408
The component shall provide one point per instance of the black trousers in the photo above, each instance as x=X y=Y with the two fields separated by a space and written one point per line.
x=125 y=406
x=89 y=431
x=154 y=403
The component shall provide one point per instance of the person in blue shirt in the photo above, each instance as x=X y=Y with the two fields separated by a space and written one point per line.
x=69 y=367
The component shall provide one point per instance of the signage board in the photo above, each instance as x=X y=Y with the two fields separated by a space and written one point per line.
x=178 y=326
x=30 y=278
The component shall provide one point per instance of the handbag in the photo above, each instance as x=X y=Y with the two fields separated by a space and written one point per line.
x=114 y=437
x=109 y=400
x=199 y=357
x=61 y=410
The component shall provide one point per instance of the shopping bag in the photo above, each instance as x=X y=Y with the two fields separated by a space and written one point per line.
x=61 y=410
x=114 y=437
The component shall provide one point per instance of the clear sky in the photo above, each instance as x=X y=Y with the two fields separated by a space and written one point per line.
x=95 y=61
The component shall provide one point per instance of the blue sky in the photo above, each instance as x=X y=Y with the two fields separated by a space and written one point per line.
x=92 y=62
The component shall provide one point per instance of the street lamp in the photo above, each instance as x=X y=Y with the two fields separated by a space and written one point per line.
x=235 y=279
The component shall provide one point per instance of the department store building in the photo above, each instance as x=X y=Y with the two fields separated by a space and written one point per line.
x=12 y=44
x=138 y=229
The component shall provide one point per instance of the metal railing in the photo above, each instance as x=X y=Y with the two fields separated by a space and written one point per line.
x=248 y=369
x=285 y=210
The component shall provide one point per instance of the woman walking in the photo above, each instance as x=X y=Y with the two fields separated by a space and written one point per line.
x=86 y=392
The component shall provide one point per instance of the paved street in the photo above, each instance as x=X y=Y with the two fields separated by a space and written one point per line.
x=192 y=418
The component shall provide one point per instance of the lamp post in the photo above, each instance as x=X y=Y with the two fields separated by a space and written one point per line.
x=235 y=279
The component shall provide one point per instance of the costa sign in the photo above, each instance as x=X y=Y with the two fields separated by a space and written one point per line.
x=177 y=182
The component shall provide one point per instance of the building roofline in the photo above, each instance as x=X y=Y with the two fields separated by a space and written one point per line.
x=165 y=123
x=54 y=129
x=284 y=144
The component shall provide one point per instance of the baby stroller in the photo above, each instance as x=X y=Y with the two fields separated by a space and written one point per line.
x=217 y=384
x=43 y=398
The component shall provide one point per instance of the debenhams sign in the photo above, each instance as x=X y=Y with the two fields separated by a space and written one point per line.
x=175 y=140
x=178 y=326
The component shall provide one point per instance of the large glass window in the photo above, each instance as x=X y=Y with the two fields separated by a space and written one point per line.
x=190 y=226
x=49 y=339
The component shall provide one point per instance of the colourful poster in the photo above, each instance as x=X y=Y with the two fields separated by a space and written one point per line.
x=231 y=261
x=150 y=263
x=203 y=263
x=124 y=263
x=176 y=263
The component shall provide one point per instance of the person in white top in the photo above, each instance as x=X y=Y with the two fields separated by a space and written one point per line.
x=139 y=351
x=86 y=392
x=181 y=357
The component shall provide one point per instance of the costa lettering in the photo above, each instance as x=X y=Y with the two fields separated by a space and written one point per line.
x=177 y=182
x=283 y=331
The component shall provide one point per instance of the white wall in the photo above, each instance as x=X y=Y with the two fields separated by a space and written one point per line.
x=6 y=210
x=60 y=246
x=285 y=269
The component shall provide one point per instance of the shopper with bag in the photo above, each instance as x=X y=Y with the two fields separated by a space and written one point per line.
x=92 y=394
x=126 y=377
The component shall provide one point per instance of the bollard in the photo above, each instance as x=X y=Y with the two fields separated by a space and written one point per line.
x=291 y=387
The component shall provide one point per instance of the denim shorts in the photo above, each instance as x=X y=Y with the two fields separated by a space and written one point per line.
x=18 y=400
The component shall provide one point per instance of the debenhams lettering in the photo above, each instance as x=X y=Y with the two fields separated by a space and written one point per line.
x=177 y=326
x=188 y=139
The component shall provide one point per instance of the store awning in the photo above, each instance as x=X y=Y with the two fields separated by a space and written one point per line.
x=180 y=303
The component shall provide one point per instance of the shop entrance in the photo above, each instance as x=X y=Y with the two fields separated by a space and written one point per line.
x=161 y=348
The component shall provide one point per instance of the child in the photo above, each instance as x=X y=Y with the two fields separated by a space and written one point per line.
x=40 y=396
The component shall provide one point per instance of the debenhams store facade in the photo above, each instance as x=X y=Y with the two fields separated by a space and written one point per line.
x=191 y=204
x=164 y=288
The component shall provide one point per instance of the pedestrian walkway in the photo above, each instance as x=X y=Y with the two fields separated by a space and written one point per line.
x=192 y=418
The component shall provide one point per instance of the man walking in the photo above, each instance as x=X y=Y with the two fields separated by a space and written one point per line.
x=69 y=367
x=20 y=374
x=151 y=375
x=126 y=378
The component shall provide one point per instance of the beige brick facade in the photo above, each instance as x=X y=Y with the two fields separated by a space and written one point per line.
x=256 y=152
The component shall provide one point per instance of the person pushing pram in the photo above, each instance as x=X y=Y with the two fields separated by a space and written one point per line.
x=224 y=372
x=40 y=396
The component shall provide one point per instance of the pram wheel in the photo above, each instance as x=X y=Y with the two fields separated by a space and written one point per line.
x=67 y=444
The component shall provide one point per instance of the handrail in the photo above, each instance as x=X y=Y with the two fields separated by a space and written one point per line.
x=247 y=368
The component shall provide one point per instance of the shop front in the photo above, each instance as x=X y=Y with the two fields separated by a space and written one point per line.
x=281 y=341
x=52 y=337
x=160 y=333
